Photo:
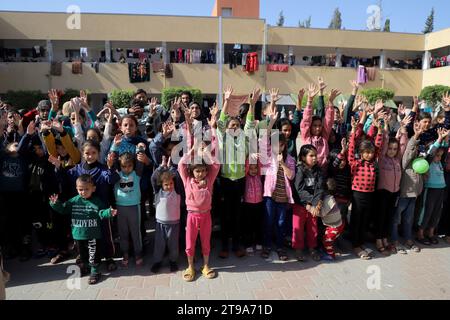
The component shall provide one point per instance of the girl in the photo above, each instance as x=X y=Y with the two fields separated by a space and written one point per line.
x=233 y=147
x=127 y=192
x=279 y=171
x=312 y=130
x=309 y=187
x=167 y=202
x=103 y=177
x=363 y=185
x=411 y=187
x=198 y=180
x=388 y=186
x=253 y=209
x=434 y=191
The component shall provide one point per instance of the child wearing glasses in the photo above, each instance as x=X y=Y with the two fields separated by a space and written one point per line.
x=128 y=198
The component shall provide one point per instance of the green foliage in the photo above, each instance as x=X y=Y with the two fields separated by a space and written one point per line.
x=429 y=24
x=375 y=94
x=280 y=21
x=336 y=21
x=433 y=94
x=121 y=98
x=168 y=94
x=305 y=23
x=387 y=25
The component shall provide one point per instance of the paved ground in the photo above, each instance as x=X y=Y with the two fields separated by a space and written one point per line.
x=424 y=275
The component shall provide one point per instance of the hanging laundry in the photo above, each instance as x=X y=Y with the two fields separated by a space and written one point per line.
x=77 y=67
x=361 y=75
x=278 y=67
x=83 y=52
x=139 y=71
x=371 y=74
x=252 y=64
x=56 y=69
x=158 y=66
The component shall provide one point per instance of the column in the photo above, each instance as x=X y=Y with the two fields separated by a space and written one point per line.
x=166 y=57
x=49 y=50
x=108 y=50
x=338 y=63
x=383 y=60
x=426 y=60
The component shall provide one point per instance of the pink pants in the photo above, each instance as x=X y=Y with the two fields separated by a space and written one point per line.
x=300 y=217
x=198 y=222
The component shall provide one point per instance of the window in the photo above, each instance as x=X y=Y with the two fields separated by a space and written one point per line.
x=227 y=12
x=73 y=53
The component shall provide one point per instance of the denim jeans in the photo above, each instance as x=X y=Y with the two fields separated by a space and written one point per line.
x=275 y=216
x=404 y=214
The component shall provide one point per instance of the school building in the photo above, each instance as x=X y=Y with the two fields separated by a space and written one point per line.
x=39 y=51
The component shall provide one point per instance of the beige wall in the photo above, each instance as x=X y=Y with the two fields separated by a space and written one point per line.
x=436 y=76
x=345 y=39
x=437 y=39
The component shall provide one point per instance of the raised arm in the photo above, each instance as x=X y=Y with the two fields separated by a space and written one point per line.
x=305 y=125
x=329 y=114
x=321 y=108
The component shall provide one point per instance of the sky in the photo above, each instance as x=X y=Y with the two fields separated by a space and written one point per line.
x=405 y=15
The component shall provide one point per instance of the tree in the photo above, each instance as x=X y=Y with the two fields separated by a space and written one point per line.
x=387 y=25
x=429 y=24
x=336 y=22
x=305 y=23
x=280 y=21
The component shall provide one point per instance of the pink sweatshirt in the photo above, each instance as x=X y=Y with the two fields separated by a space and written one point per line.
x=270 y=181
x=253 y=189
x=320 y=142
x=390 y=169
x=198 y=199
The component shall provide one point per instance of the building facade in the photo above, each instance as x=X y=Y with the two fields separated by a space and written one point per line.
x=207 y=53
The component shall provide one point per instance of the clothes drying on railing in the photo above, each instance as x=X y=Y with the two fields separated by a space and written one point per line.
x=193 y=56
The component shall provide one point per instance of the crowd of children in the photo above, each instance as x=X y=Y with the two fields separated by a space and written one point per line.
x=82 y=182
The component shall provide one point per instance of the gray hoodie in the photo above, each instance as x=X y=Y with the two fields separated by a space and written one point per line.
x=411 y=185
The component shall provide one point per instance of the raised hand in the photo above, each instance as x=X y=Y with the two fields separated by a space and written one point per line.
x=228 y=92
x=83 y=97
x=254 y=96
x=54 y=161
x=354 y=124
x=31 y=129
x=54 y=98
x=344 y=144
x=379 y=105
x=113 y=212
x=313 y=90
x=406 y=121
x=176 y=103
x=274 y=96
x=57 y=126
x=53 y=198
x=333 y=94
x=46 y=125
x=417 y=129
x=118 y=139
x=322 y=84
x=300 y=95
x=442 y=132
x=446 y=101
x=17 y=119
x=401 y=109
x=355 y=87
x=110 y=159
x=142 y=157
x=152 y=107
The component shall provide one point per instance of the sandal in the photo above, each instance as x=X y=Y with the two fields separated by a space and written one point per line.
x=412 y=247
x=125 y=263
x=299 y=255
x=58 y=259
x=383 y=251
x=111 y=265
x=282 y=255
x=94 y=278
x=208 y=273
x=362 y=254
x=315 y=255
x=424 y=241
x=265 y=253
x=189 y=274
x=139 y=262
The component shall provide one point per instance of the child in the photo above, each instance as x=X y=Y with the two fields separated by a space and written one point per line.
x=388 y=186
x=253 y=210
x=279 y=172
x=434 y=191
x=363 y=185
x=86 y=211
x=127 y=192
x=167 y=202
x=312 y=130
x=411 y=187
x=332 y=219
x=104 y=178
x=309 y=187
x=233 y=146
x=198 y=180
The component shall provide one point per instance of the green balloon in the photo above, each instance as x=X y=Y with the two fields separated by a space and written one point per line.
x=420 y=166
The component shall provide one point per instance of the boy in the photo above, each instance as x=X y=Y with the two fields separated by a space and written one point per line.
x=86 y=211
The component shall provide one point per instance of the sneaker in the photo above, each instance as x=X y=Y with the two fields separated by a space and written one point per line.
x=250 y=251
x=173 y=266
x=259 y=247
x=155 y=267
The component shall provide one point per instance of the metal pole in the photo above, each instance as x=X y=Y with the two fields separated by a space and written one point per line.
x=263 y=62
x=220 y=57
